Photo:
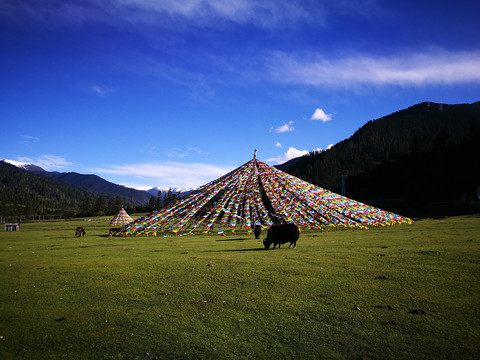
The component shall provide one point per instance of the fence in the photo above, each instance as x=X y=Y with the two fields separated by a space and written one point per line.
x=24 y=218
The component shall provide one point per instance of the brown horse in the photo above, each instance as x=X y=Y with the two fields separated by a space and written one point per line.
x=80 y=232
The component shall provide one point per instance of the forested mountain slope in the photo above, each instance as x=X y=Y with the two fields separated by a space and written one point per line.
x=24 y=193
x=419 y=128
x=97 y=185
x=443 y=181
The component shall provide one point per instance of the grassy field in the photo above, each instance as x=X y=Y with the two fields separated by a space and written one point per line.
x=405 y=292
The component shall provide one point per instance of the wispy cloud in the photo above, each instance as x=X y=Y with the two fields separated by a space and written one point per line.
x=101 y=90
x=177 y=154
x=284 y=128
x=28 y=139
x=433 y=67
x=202 y=12
x=197 y=150
x=47 y=162
x=168 y=173
x=186 y=152
x=278 y=144
x=259 y=13
x=319 y=114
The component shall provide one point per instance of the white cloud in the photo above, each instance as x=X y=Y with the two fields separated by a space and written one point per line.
x=101 y=90
x=177 y=154
x=28 y=139
x=319 y=114
x=278 y=144
x=260 y=13
x=433 y=67
x=137 y=186
x=284 y=128
x=169 y=173
x=15 y=163
x=47 y=162
x=291 y=153
x=197 y=150
x=162 y=13
x=186 y=152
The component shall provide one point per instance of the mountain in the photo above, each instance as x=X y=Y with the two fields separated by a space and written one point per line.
x=290 y=163
x=443 y=181
x=419 y=128
x=177 y=191
x=97 y=185
x=25 y=166
x=24 y=193
x=419 y=161
x=89 y=183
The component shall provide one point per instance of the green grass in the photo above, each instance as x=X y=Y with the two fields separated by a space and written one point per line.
x=214 y=297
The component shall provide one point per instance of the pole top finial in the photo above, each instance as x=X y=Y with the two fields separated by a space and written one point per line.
x=255 y=154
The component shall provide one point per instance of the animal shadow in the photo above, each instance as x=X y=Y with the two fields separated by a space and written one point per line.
x=238 y=239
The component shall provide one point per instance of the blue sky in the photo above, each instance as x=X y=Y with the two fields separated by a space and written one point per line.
x=150 y=93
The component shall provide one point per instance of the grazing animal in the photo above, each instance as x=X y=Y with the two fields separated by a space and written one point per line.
x=281 y=234
x=80 y=232
x=257 y=230
x=113 y=231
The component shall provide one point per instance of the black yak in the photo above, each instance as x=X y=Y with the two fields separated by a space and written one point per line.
x=80 y=231
x=257 y=230
x=281 y=234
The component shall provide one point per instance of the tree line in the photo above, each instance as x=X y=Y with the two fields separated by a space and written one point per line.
x=26 y=194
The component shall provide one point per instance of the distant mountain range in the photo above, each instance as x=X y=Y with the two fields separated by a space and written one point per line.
x=95 y=184
x=177 y=191
x=90 y=183
x=425 y=154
